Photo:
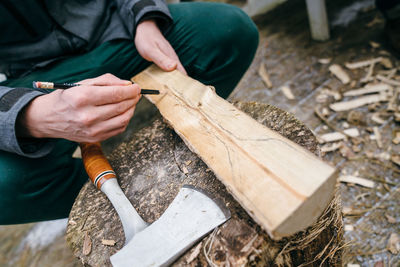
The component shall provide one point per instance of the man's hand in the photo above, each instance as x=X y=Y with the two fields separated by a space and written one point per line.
x=153 y=47
x=98 y=109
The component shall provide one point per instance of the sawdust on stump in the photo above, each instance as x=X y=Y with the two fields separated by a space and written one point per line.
x=153 y=165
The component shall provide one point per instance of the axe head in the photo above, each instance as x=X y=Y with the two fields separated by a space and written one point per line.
x=191 y=215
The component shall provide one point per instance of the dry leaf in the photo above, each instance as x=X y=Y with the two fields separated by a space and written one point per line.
x=87 y=245
x=393 y=244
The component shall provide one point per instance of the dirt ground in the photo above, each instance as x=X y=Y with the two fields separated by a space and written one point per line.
x=292 y=59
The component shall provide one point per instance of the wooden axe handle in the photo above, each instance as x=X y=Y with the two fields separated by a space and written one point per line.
x=97 y=166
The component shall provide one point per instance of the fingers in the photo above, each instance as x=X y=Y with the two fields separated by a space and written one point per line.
x=104 y=80
x=111 y=127
x=85 y=95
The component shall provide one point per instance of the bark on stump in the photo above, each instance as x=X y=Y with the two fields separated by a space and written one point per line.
x=153 y=165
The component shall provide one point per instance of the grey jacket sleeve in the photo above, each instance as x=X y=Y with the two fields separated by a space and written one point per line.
x=12 y=101
x=135 y=10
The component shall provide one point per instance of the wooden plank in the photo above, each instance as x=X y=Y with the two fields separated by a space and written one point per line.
x=340 y=73
x=282 y=186
x=369 y=89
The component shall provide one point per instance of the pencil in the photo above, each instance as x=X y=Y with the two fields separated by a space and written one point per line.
x=51 y=85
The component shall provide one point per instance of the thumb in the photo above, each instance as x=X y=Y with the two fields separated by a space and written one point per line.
x=164 y=62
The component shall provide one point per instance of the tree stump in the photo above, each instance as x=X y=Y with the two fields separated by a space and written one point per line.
x=153 y=165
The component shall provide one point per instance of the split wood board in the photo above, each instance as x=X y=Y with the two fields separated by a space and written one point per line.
x=282 y=186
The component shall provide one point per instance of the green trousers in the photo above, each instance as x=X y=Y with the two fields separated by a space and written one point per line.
x=215 y=43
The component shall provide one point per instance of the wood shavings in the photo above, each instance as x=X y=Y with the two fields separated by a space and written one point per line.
x=87 y=245
x=262 y=71
x=364 y=63
x=374 y=44
x=346 y=152
x=396 y=139
x=336 y=136
x=330 y=147
x=393 y=244
x=195 y=253
x=390 y=219
x=324 y=60
x=386 y=63
x=376 y=118
x=188 y=162
x=353 y=265
x=368 y=76
x=392 y=105
x=72 y=222
x=369 y=89
x=108 y=242
x=359 y=102
x=348 y=227
x=339 y=72
x=185 y=170
x=287 y=92
x=378 y=137
x=356 y=180
x=395 y=159
x=388 y=81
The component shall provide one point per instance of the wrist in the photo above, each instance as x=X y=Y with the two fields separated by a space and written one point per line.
x=31 y=120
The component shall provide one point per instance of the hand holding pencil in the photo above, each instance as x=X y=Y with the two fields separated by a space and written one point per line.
x=95 y=110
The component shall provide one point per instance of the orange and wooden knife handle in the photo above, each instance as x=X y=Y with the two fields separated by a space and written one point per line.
x=97 y=166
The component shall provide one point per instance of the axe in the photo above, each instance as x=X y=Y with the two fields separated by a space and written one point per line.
x=190 y=216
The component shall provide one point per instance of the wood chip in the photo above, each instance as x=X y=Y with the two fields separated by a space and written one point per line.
x=195 y=253
x=378 y=137
x=362 y=64
x=262 y=71
x=330 y=147
x=374 y=44
x=324 y=60
x=72 y=222
x=353 y=265
x=386 y=63
x=287 y=92
x=369 y=89
x=358 y=102
x=87 y=245
x=356 y=180
x=77 y=153
x=393 y=244
x=336 y=136
x=368 y=77
x=339 y=72
x=388 y=81
x=185 y=170
x=395 y=159
x=390 y=219
x=188 y=162
x=108 y=242
x=348 y=227
x=396 y=139
x=376 y=118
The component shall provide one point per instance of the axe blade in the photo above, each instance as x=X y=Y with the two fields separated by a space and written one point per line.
x=191 y=215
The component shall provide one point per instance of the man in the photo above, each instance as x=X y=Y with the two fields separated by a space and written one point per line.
x=81 y=41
